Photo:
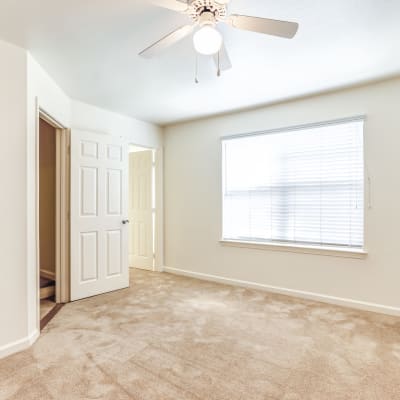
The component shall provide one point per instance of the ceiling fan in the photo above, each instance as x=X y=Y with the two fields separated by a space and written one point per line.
x=207 y=40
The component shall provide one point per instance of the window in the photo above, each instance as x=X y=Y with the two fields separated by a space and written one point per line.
x=300 y=186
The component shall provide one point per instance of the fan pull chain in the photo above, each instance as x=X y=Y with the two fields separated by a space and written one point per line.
x=196 y=74
x=219 y=64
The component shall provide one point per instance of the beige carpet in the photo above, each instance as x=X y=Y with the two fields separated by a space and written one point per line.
x=171 y=338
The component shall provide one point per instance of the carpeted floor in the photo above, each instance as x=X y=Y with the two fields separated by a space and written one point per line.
x=174 y=338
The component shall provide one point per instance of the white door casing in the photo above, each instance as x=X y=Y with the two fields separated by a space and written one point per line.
x=141 y=209
x=99 y=238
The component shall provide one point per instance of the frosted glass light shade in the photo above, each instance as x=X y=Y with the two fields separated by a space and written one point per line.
x=207 y=41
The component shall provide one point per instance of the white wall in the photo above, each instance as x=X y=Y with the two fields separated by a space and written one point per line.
x=193 y=201
x=42 y=91
x=88 y=117
x=13 y=294
x=23 y=85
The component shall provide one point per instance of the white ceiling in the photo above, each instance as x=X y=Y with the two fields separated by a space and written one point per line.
x=90 y=48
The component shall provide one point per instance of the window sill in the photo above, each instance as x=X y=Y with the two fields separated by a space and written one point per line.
x=296 y=248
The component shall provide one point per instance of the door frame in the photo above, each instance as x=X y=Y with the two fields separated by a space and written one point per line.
x=158 y=235
x=62 y=207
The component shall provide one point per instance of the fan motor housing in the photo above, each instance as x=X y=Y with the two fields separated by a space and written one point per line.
x=199 y=7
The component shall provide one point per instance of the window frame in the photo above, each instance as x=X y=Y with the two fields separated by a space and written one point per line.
x=325 y=250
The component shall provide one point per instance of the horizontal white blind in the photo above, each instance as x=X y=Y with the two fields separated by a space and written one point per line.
x=304 y=186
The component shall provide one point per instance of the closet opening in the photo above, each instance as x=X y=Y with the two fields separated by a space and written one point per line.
x=52 y=218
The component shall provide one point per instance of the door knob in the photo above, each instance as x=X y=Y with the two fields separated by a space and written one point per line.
x=125 y=221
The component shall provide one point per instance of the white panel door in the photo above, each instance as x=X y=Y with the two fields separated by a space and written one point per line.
x=141 y=209
x=99 y=229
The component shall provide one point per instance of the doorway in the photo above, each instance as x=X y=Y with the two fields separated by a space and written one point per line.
x=142 y=207
x=47 y=216
x=52 y=217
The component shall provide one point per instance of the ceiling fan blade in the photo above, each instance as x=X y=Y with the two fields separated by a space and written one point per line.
x=267 y=26
x=222 y=59
x=174 y=5
x=167 y=41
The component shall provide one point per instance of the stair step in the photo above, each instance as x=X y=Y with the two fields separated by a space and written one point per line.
x=45 y=282
x=48 y=291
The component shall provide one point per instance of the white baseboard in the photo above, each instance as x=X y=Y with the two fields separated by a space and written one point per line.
x=19 y=345
x=143 y=268
x=47 y=274
x=350 y=303
x=151 y=269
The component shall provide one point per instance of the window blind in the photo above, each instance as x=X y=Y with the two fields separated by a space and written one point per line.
x=303 y=186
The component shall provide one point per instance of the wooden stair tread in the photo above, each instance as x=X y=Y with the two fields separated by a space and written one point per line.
x=48 y=291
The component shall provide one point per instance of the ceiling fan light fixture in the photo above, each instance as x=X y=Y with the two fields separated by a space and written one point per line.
x=207 y=40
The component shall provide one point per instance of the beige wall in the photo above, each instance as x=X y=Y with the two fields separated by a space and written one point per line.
x=87 y=117
x=13 y=166
x=47 y=197
x=193 y=200
x=42 y=91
